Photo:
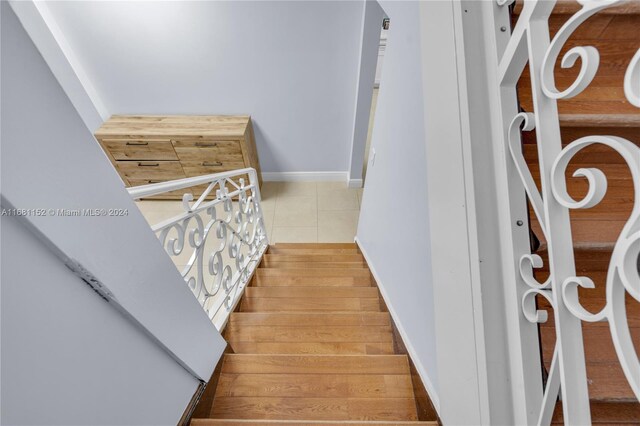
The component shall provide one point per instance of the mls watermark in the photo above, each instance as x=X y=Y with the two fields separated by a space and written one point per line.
x=61 y=212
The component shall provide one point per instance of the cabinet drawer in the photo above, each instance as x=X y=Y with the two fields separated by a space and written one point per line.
x=197 y=168
x=150 y=170
x=171 y=195
x=157 y=149
x=208 y=150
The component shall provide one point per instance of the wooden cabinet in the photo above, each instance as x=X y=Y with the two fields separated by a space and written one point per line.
x=152 y=149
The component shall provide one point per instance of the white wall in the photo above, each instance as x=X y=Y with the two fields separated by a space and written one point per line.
x=393 y=229
x=292 y=65
x=68 y=356
x=369 y=49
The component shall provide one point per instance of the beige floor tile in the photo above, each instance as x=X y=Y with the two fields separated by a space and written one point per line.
x=337 y=226
x=296 y=211
x=331 y=186
x=287 y=234
x=268 y=194
x=296 y=189
x=338 y=199
x=359 y=191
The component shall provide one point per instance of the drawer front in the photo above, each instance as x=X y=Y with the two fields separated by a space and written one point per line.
x=208 y=150
x=140 y=149
x=150 y=170
x=198 y=168
x=171 y=195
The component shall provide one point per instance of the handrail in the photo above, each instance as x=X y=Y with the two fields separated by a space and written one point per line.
x=229 y=226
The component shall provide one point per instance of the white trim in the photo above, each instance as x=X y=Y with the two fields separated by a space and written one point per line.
x=305 y=176
x=43 y=30
x=354 y=183
x=428 y=384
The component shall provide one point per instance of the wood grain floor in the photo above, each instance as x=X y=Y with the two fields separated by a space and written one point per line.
x=312 y=344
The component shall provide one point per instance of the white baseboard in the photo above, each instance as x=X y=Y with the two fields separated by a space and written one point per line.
x=354 y=183
x=305 y=176
x=428 y=384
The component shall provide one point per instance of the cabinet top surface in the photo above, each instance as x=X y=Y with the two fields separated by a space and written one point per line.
x=175 y=125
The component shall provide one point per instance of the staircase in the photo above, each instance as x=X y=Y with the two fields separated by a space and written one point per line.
x=312 y=343
x=601 y=109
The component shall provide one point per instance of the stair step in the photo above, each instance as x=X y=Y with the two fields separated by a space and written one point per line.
x=260 y=280
x=312 y=348
x=314 y=408
x=316 y=291
x=316 y=246
x=311 y=252
x=569 y=7
x=315 y=364
x=609 y=413
x=312 y=258
x=269 y=263
x=315 y=386
x=292 y=304
x=309 y=318
x=600 y=120
x=313 y=272
x=317 y=333
x=249 y=422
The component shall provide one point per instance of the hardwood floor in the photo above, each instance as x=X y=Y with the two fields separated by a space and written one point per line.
x=601 y=109
x=311 y=343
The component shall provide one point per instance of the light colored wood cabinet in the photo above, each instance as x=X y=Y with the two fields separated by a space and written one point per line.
x=151 y=149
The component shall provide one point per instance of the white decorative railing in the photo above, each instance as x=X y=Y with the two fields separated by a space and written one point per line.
x=224 y=237
x=530 y=42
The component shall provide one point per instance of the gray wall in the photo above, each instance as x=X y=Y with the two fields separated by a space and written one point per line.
x=394 y=220
x=370 y=45
x=292 y=65
x=69 y=357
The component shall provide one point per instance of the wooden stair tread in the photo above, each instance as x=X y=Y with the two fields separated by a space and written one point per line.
x=293 y=304
x=314 y=291
x=316 y=408
x=313 y=348
x=311 y=251
x=313 y=272
x=599 y=120
x=310 y=318
x=318 y=333
x=269 y=263
x=609 y=413
x=306 y=281
x=315 y=386
x=339 y=258
x=207 y=422
x=316 y=246
x=318 y=364
x=252 y=422
x=569 y=7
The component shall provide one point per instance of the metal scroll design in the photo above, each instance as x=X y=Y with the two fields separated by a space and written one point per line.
x=224 y=239
x=623 y=275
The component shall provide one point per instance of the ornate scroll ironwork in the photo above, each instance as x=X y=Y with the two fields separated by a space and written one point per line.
x=220 y=241
x=552 y=203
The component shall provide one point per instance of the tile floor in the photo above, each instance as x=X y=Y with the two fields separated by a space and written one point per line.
x=293 y=211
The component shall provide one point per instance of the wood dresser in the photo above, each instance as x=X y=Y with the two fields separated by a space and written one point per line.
x=152 y=148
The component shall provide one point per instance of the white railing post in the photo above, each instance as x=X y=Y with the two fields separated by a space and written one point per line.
x=225 y=237
x=530 y=42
